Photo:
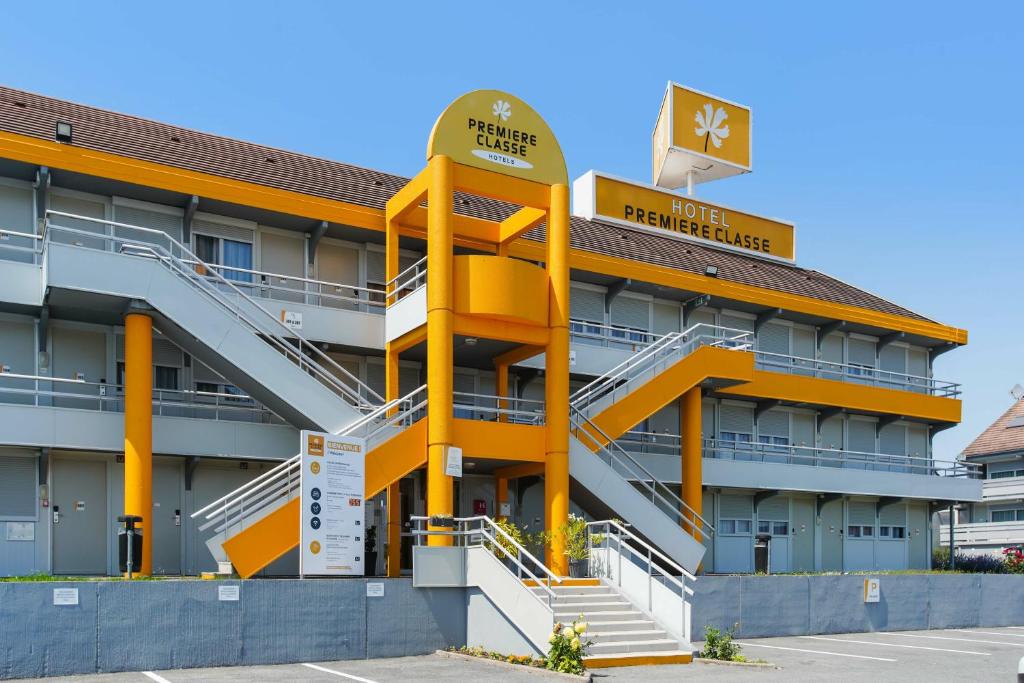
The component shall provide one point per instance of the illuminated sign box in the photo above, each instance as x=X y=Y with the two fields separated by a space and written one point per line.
x=699 y=134
x=598 y=196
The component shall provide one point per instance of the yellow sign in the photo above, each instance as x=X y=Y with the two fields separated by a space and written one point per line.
x=496 y=131
x=699 y=134
x=600 y=197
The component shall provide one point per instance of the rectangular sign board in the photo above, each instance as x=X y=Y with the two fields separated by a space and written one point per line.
x=453 y=462
x=333 y=485
x=701 y=133
x=598 y=196
x=65 y=596
x=872 y=590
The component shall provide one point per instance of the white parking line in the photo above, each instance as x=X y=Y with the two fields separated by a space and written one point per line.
x=912 y=647
x=816 y=652
x=338 y=673
x=155 y=677
x=986 y=633
x=964 y=640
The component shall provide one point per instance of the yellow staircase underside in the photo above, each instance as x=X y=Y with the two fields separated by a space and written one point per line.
x=707 y=362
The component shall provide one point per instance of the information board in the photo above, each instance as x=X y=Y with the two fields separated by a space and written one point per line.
x=333 y=484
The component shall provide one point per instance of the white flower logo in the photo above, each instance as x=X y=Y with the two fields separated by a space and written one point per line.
x=709 y=124
x=502 y=109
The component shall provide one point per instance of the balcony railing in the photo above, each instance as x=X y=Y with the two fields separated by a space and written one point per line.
x=489 y=408
x=651 y=443
x=857 y=374
x=610 y=336
x=1000 y=534
x=59 y=392
x=24 y=247
x=406 y=282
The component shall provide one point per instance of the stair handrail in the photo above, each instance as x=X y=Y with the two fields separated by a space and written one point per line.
x=465 y=532
x=652 y=567
x=683 y=342
x=300 y=351
x=615 y=452
x=264 y=481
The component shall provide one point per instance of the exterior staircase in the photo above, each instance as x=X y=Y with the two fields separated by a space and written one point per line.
x=621 y=634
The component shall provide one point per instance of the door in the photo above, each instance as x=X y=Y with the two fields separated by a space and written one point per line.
x=166 y=529
x=832 y=536
x=79 y=501
x=803 y=534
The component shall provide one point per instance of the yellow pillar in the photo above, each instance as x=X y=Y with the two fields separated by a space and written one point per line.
x=556 y=379
x=691 y=452
x=138 y=428
x=394 y=528
x=500 y=495
x=439 y=338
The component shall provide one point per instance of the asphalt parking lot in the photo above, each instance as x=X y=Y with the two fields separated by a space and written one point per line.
x=989 y=654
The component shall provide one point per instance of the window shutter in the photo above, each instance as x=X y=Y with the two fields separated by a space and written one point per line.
x=893 y=359
x=16 y=209
x=17 y=487
x=203 y=373
x=666 y=318
x=803 y=343
x=832 y=348
x=375 y=266
x=631 y=313
x=735 y=507
x=773 y=338
x=736 y=322
x=775 y=509
x=166 y=353
x=862 y=514
x=230 y=232
x=585 y=304
x=862 y=436
x=862 y=352
x=376 y=377
x=917 y=442
x=893 y=515
x=154 y=220
x=773 y=423
x=892 y=440
x=736 y=419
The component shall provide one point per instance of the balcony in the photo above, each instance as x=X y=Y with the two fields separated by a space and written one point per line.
x=984 y=537
x=1008 y=488
x=801 y=468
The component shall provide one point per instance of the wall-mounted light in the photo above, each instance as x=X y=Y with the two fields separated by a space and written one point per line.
x=63 y=133
x=711 y=271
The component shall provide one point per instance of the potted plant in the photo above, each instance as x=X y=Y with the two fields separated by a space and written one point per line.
x=575 y=534
x=370 y=552
x=442 y=521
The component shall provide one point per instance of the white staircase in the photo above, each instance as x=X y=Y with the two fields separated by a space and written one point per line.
x=105 y=265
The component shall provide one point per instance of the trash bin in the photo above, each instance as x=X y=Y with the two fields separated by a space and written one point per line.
x=129 y=534
x=762 y=550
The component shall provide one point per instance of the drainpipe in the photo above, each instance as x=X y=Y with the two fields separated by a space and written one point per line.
x=952 y=543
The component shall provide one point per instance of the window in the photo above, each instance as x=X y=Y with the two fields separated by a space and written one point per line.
x=1008 y=515
x=1006 y=475
x=892 y=532
x=165 y=377
x=207 y=387
x=629 y=333
x=220 y=251
x=780 y=528
x=853 y=531
x=860 y=531
x=735 y=526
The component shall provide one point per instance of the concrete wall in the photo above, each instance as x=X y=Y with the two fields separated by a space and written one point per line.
x=767 y=606
x=119 y=626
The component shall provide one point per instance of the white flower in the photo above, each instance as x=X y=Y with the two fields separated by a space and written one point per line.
x=709 y=124
x=567 y=632
x=575 y=643
x=501 y=108
x=553 y=638
x=581 y=627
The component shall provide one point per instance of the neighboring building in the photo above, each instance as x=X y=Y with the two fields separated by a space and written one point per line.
x=822 y=440
x=997 y=521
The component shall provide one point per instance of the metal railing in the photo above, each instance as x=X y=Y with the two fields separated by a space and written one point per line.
x=281 y=483
x=832 y=457
x=24 y=247
x=657 y=357
x=406 y=282
x=858 y=374
x=643 y=553
x=482 y=531
x=60 y=392
x=610 y=336
x=292 y=288
x=630 y=469
x=158 y=245
x=488 y=408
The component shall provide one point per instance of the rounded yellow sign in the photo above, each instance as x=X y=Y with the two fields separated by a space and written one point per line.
x=314 y=547
x=496 y=131
x=314 y=467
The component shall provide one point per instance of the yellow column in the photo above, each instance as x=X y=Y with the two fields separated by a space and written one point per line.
x=691 y=452
x=394 y=529
x=500 y=495
x=138 y=428
x=439 y=338
x=556 y=379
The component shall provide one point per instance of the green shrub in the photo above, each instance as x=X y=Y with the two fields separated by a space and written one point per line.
x=567 y=648
x=719 y=645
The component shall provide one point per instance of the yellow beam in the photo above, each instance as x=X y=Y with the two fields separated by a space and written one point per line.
x=409 y=339
x=490 y=328
x=477 y=181
x=101 y=164
x=407 y=199
x=529 y=469
x=519 y=223
x=498 y=440
x=396 y=457
x=138 y=429
x=849 y=395
x=471 y=231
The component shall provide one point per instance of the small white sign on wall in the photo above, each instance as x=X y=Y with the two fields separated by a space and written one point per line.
x=453 y=462
x=291 y=319
x=375 y=589
x=872 y=590
x=228 y=593
x=65 y=596
x=21 y=531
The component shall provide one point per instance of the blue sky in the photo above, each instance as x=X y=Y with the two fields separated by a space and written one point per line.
x=891 y=135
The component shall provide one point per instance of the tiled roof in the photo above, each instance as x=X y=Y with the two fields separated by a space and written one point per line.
x=1005 y=435
x=97 y=129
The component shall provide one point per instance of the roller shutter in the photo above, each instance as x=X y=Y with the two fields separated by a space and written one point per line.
x=408 y=379
x=832 y=348
x=375 y=266
x=862 y=514
x=375 y=377
x=735 y=507
x=861 y=436
x=700 y=318
x=803 y=430
x=666 y=318
x=893 y=359
x=629 y=312
x=803 y=343
x=893 y=515
x=862 y=352
x=734 y=418
x=892 y=440
x=16 y=209
x=736 y=323
x=775 y=509
x=917 y=442
x=155 y=220
x=707 y=417
x=773 y=423
x=215 y=229
x=586 y=304
x=17 y=487
x=832 y=433
x=773 y=338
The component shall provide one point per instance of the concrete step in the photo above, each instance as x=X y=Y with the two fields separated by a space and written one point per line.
x=651 y=633
x=641 y=624
x=630 y=646
x=582 y=599
x=616 y=615
x=593 y=607
x=577 y=590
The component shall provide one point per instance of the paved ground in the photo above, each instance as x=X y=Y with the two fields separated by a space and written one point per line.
x=968 y=655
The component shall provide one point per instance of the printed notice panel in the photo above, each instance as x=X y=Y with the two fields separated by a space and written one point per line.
x=333 y=487
x=663 y=212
